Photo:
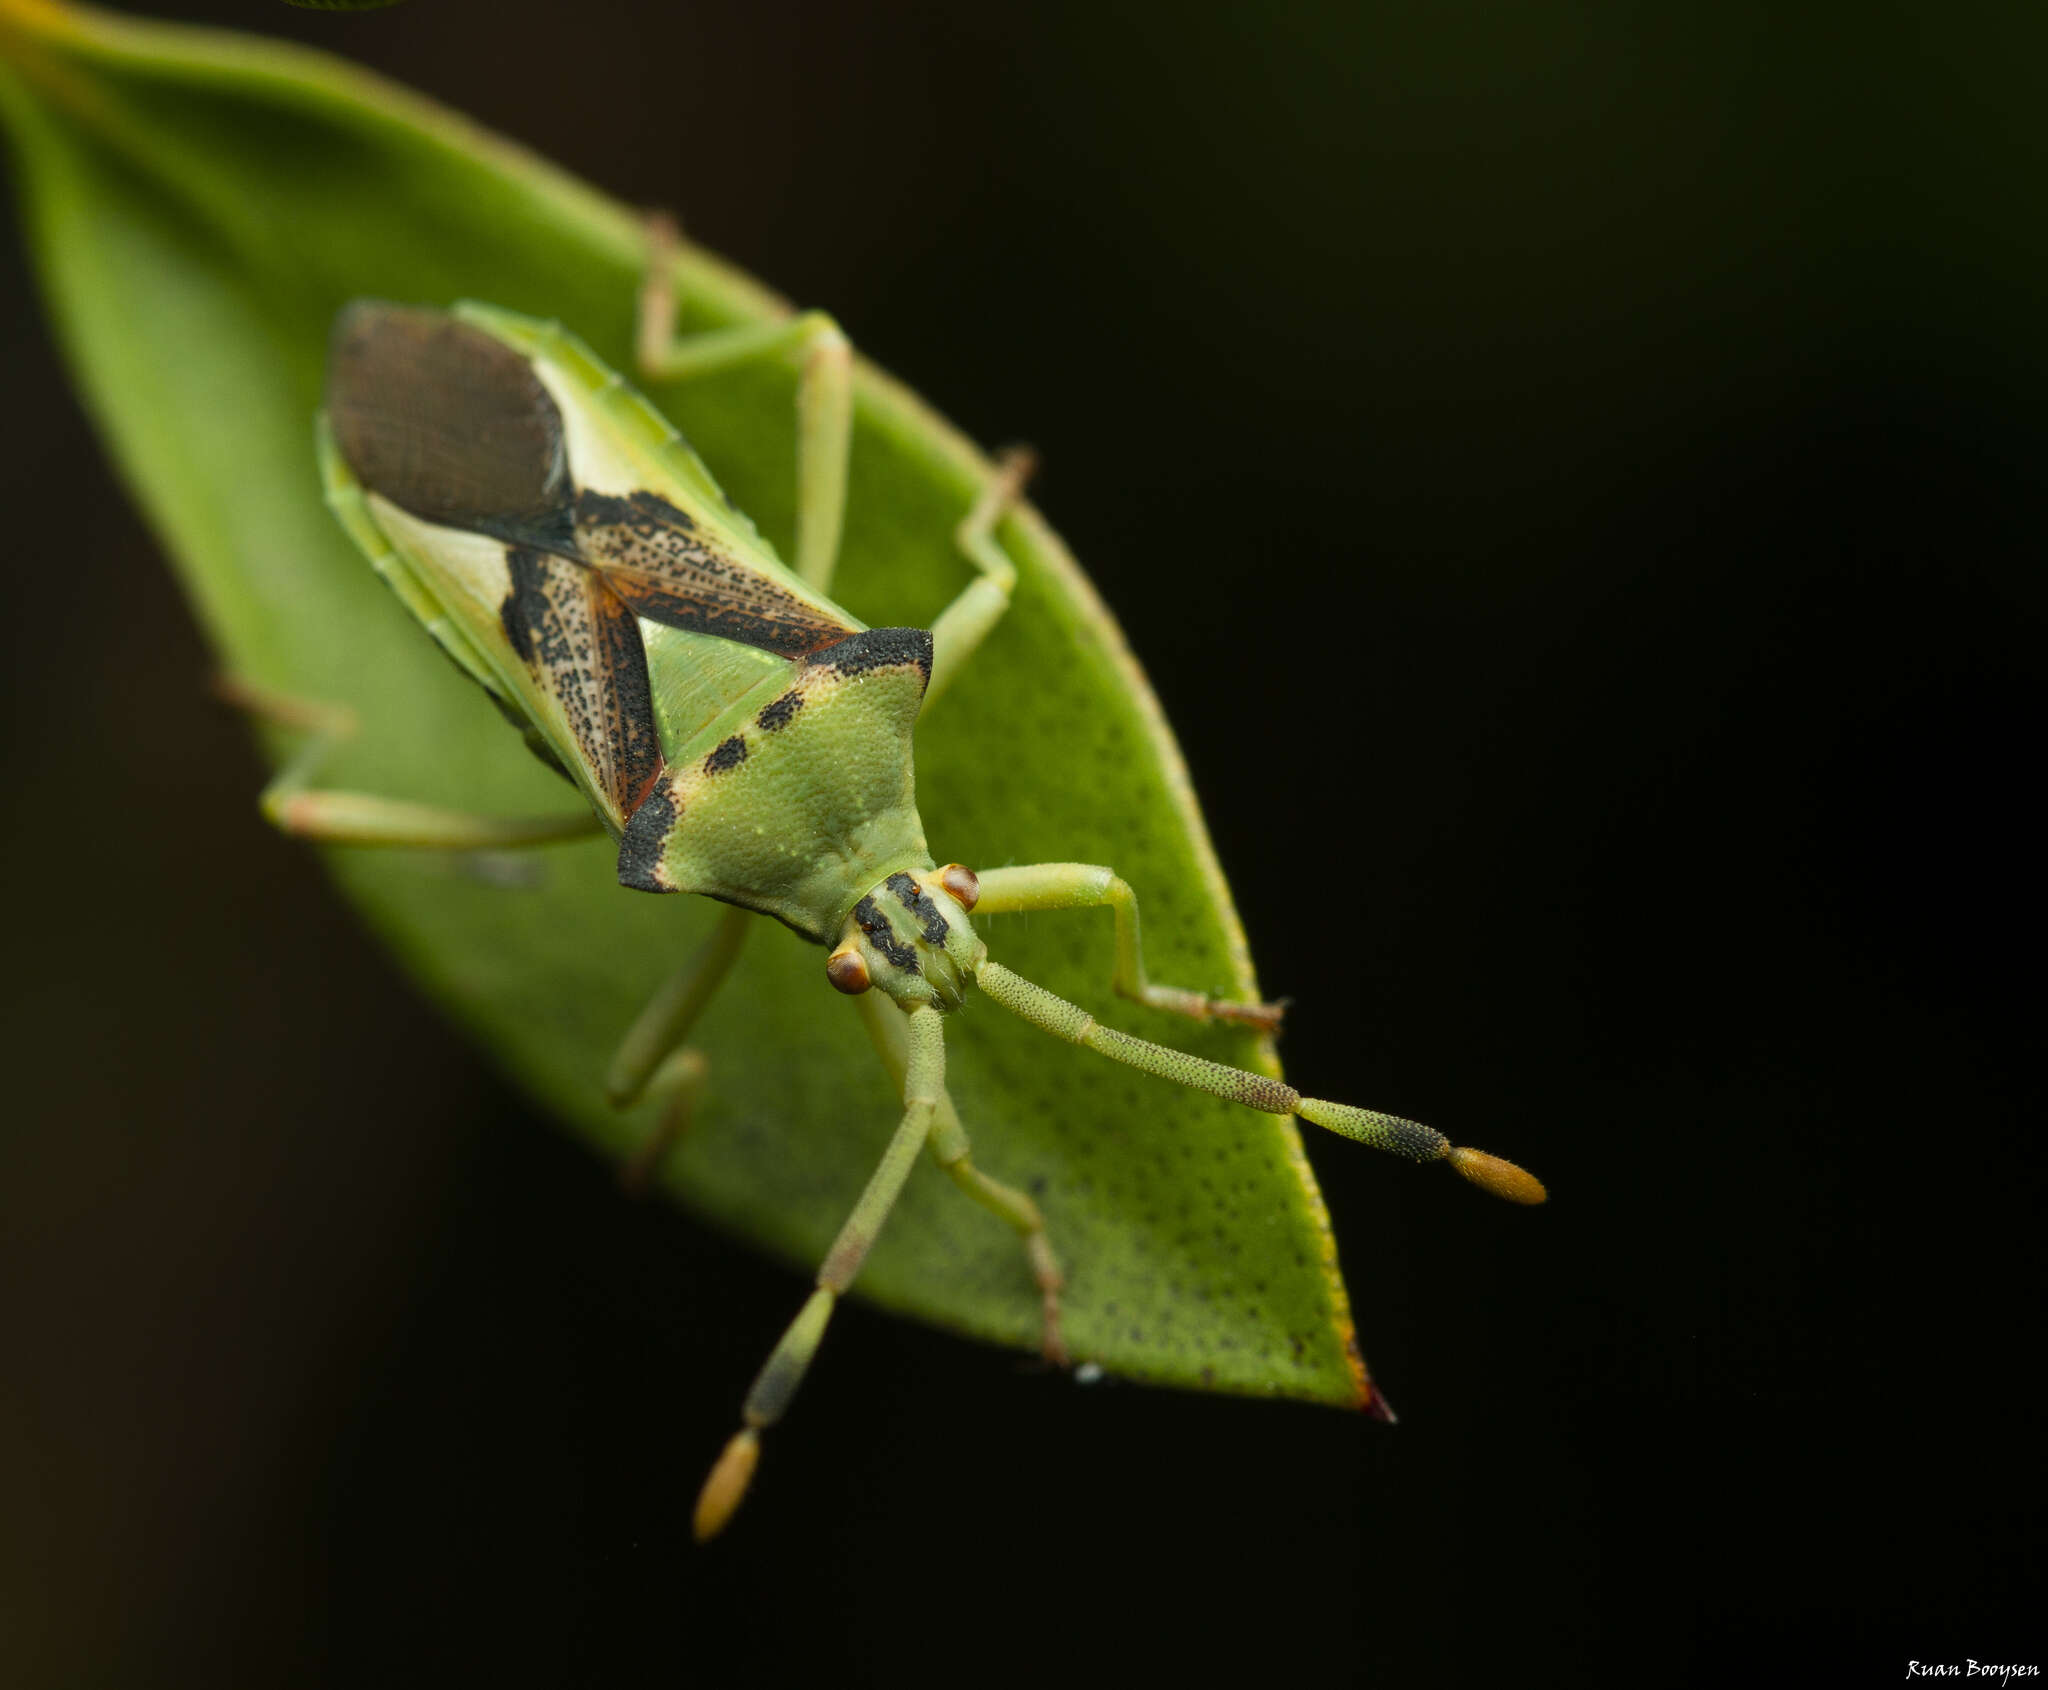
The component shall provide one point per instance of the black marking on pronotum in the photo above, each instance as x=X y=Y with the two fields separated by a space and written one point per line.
x=780 y=712
x=640 y=846
x=879 y=648
x=915 y=899
x=449 y=423
x=882 y=936
x=727 y=754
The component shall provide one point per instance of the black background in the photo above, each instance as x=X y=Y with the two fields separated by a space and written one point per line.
x=1575 y=476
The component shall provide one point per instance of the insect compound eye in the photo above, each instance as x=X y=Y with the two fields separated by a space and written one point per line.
x=847 y=969
x=962 y=884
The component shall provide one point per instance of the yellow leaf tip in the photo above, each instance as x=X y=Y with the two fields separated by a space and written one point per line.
x=727 y=1486
x=1498 y=1175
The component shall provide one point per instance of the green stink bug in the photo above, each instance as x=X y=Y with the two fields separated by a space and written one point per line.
x=734 y=730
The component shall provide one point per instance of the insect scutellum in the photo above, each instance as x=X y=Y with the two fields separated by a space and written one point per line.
x=734 y=730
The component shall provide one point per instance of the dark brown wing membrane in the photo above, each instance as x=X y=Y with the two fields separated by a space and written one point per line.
x=583 y=647
x=448 y=423
x=655 y=558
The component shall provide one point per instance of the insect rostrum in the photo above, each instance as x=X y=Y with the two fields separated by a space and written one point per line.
x=735 y=731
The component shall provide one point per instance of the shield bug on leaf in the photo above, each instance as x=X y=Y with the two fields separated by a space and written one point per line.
x=731 y=728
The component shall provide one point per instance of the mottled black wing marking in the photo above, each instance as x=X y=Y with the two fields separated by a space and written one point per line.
x=668 y=570
x=583 y=648
x=456 y=428
x=448 y=423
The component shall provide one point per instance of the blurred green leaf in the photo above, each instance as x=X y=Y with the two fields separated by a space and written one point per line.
x=199 y=205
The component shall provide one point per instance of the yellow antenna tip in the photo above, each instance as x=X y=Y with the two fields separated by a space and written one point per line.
x=1499 y=1176
x=727 y=1485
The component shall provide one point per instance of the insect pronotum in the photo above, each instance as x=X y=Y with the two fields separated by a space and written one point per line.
x=734 y=730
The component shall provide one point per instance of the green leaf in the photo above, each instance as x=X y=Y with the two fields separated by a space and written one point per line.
x=200 y=205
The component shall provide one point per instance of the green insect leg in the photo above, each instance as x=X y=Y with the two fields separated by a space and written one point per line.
x=1083 y=886
x=292 y=804
x=677 y=1083
x=824 y=392
x=652 y=1059
x=670 y=1014
x=965 y=623
x=952 y=1151
x=777 y=1382
x=1262 y=1092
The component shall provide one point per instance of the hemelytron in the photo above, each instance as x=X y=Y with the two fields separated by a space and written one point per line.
x=735 y=731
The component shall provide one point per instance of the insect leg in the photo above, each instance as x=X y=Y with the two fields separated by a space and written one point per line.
x=824 y=392
x=293 y=805
x=964 y=623
x=950 y=1149
x=678 y=1083
x=1082 y=886
x=778 y=1381
x=666 y=1021
x=1262 y=1092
